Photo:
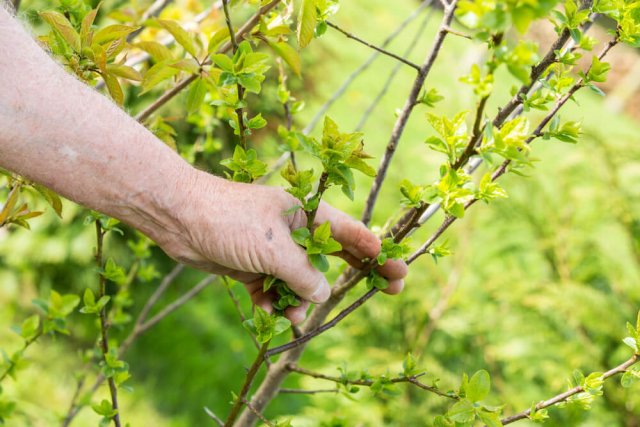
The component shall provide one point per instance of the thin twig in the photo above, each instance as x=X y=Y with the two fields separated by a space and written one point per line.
x=394 y=72
x=567 y=394
x=301 y=391
x=374 y=47
x=171 y=93
x=199 y=287
x=213 y=416
x=257 y=413
x=104 y=323
x=362 y=68
x=458 y=33
x=236 y=304
x=413 y=379
x=240 y=400
x=403 y=118
x=330 y=324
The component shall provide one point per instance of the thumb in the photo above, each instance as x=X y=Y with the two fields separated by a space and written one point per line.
x=294 y=267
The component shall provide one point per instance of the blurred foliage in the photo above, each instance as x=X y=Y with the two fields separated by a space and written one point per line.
x=538 y=285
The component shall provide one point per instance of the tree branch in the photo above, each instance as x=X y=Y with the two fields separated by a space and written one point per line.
x=362 y=68
x=567 y=394
x=374 y=47
x=413 y=379
x=104 y=323
x=240 y=400
x=394 y=72
x=403 y=118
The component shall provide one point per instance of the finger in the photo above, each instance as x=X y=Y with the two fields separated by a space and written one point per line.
x=393 y=269
x=293 y=266
x=352 y=234
x=297 y=314
x=395 y=287
x=350 y=258
x=264 y=300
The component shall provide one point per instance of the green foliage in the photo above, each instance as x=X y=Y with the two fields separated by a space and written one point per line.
x=317 y=244
x=266 y=326
x=245 y=165
x=106 y=410
x=392 y=250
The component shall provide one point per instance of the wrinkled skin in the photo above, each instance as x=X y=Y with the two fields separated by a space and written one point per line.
x=240 y=230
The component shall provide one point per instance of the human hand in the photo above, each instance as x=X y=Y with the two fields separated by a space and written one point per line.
x=239 y=230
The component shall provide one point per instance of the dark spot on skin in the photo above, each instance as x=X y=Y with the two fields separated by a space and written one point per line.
x=269 y=234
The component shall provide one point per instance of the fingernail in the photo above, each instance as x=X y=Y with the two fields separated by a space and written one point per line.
x=322 y=293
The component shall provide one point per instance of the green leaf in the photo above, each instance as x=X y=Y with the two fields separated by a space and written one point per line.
x=630 y=377
x=598 y=70
x=51 y=197
x=256 y=122
x=115 y=90
x=85 y=26
x=195 y=95
x=217 y=39
x=307 y=18
x=30 y=328
x=183 y=38
x=112 y=33
x=301 y=236
x=156 y=74
x=462 y=411
x=479 y=386
x=375 y=280
x=319 y=261
x=124 y=71
x=289 y=54
x=491 y=419
x=158 y=52
x=224 y=62
x=63 y=27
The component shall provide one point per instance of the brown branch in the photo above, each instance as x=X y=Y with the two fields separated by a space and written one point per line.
x=567 y=394
x=458 y=33
x=301 y=391
x=413 y=379
x=374 y=47
x=171 y=93
x=257 y=413
x=403 y=118
x=240 y=400
x=330 y=324
x=104 y=323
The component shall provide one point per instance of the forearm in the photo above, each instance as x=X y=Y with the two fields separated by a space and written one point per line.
x=59 y=132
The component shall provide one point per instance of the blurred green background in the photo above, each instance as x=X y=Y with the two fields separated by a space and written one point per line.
x=538 y=285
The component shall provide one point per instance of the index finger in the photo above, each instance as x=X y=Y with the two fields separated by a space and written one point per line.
x=353 y=235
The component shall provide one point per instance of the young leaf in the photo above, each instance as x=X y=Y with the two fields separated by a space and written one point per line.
x=195 y=95
x=63 y=27
x=479 y=386
x=289 y=54
x=306 y=22
x=183 y=38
